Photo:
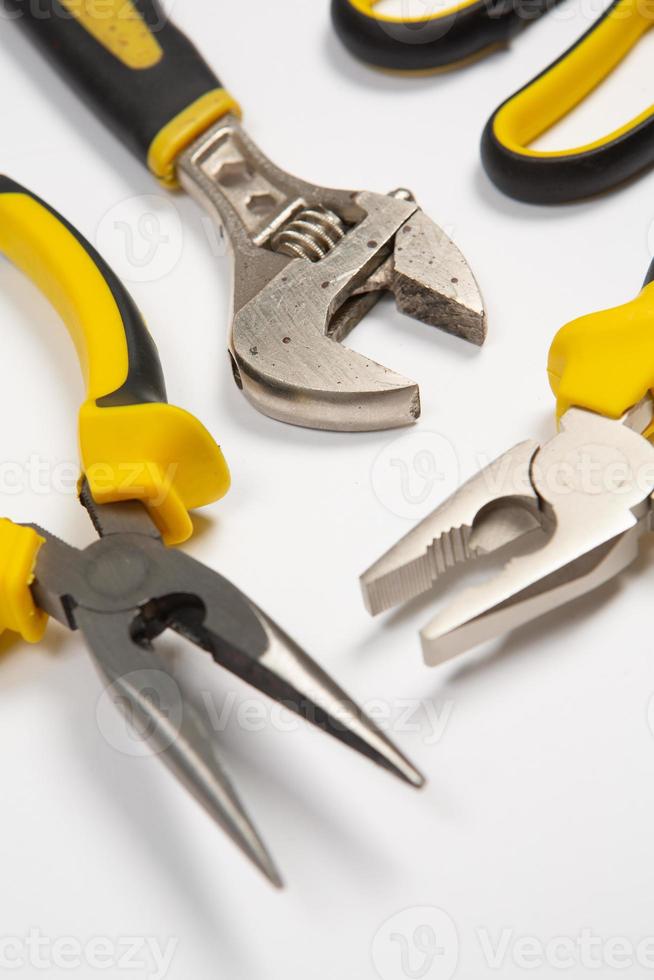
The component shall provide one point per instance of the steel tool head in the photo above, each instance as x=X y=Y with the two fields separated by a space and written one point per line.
x=125 y=589
x=309 y=264
x=580 y=503
x=169 y=724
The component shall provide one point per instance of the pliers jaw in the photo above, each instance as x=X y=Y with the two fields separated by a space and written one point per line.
x=309 y=264
x=565 y=517
x=124 y=590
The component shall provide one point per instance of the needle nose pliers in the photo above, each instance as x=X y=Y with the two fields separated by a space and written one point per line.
x=309 y=262
x=145 y=463
x=566 y=516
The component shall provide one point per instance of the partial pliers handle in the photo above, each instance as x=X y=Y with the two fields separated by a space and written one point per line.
x=135 y=68
x=442 y=40
x=604 y=362
x=133 y=444
x=557 y=176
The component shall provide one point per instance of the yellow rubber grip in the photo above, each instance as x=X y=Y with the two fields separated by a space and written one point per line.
x=136 y=69
x=19 y=547
x=35 y=240
x=120 y=29
x=133 y=444
x=181 y=131
x=605 y=361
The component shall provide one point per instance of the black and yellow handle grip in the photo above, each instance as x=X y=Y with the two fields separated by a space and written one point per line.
x=554 y=177
x=133 y=444
x=445 y=39
x=135 y=68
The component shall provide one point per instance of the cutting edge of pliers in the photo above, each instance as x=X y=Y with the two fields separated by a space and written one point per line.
x=540 y=176
x=562 y=517
x=144 y=465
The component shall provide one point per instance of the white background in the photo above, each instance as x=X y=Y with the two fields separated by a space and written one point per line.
x=537 y=819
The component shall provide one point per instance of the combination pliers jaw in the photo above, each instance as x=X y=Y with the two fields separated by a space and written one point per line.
x=564 y=517
x=309 y=262
x=145 y=464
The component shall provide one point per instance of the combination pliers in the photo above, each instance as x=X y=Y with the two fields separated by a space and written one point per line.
x=566 y=516
x=145 y=464
x=309 y=262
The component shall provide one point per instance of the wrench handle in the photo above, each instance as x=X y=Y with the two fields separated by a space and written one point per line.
x=136 y=70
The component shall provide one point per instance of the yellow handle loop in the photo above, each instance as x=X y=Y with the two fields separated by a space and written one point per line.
x=554 y=93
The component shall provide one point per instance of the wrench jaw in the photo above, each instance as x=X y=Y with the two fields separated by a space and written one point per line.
x=309 y=263
x=388 y=402
x=432 y=281
x=291 y=368
x=286 y=339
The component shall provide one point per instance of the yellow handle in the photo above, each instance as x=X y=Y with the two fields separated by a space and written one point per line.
x=605 y=361
x=138 y=71
x=37 y=241
x=19 y=547
x=133 y=444
x=120 y=29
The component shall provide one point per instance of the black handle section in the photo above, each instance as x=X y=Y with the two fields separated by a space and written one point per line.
x=562 y=179
x=144 y=381
x=136 y=102
x=436 y=42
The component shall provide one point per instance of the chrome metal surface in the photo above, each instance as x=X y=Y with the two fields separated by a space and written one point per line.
x=589 y=493
x=310 y=234
x=309 y=263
